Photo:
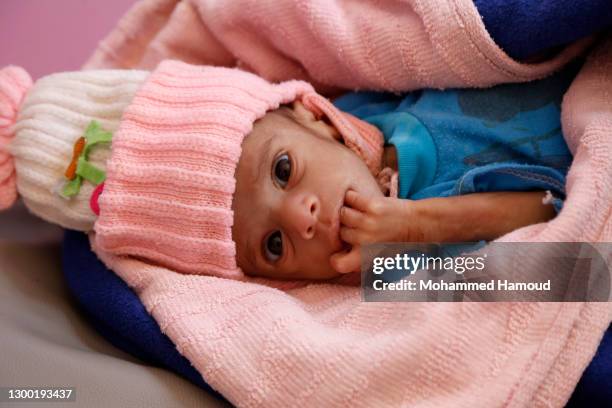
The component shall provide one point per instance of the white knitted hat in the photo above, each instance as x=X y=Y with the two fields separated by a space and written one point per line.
x=55 y=112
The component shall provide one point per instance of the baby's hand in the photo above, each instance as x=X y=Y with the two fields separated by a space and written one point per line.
x=366 y=220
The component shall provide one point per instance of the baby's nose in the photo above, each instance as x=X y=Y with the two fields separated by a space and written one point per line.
x=302 y=215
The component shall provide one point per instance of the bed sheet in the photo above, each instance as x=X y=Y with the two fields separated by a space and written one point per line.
x=46 y=341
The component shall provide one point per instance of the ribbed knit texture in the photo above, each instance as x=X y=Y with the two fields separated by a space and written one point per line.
x=55 y=113
x=361 y=137
x=170 y=179
x=318 y=345
x=170 y=183
x=14 y=83
x=384 y=45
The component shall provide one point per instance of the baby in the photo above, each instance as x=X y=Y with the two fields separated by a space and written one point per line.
x=318 y=202
x=215 y=171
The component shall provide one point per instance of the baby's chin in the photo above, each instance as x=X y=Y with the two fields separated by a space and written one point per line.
x=319 y=275
x=323 y=275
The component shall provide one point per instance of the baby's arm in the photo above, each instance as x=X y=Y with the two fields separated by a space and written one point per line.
x=481 y=216
x=472 y=217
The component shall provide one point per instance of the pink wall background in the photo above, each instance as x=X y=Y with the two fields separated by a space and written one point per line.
x=46 y=36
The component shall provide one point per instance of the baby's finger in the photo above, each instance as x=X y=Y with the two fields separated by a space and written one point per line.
x=350 y=217
x=346 y=262
x=350 y=235
x=356 y=200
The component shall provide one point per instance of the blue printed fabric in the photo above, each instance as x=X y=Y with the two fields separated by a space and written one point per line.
x=460 y=141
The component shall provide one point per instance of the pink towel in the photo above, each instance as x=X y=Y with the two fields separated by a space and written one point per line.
x=263 y=344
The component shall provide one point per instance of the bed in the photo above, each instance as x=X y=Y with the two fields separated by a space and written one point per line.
x=48 y=341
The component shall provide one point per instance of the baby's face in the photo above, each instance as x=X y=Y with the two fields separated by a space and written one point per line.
x=291 y=180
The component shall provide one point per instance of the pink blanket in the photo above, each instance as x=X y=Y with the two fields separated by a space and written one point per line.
x=318 y=344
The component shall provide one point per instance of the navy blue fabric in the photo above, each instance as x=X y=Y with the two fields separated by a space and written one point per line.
x=116 y=312
x=524 y=28
x=594 y=389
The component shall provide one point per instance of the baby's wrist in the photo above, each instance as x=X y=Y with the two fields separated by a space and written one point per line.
x=418 y=223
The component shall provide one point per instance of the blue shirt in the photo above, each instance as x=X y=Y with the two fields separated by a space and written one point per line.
x=459 y=141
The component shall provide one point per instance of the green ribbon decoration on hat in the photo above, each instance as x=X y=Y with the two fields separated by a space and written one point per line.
x=94 y=135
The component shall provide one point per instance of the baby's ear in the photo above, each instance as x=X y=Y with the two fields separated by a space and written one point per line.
x=308 y=119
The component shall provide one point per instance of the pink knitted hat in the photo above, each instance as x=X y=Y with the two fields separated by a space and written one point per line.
x=170 y=178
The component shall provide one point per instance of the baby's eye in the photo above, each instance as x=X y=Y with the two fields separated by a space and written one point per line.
x=282 y=169
x=273 y=246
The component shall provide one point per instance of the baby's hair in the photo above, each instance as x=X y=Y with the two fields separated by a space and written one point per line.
x=287 y=112
x=284 y=111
